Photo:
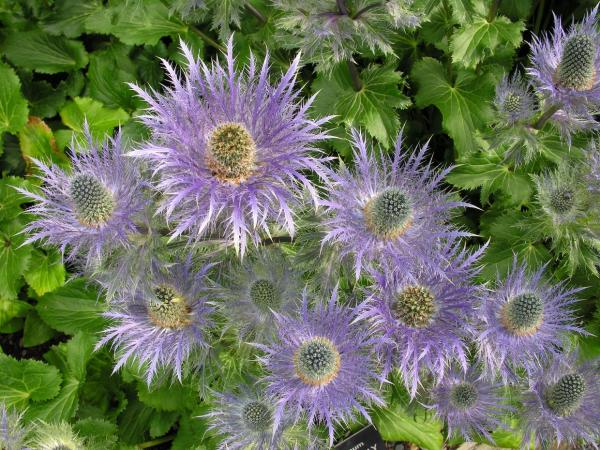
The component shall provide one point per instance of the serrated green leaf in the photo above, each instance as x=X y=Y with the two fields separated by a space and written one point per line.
x=14 y=257
x=44 y=99
x=137 y=22
x=73 y=307
x=462 y=10
x=27 y=380
x=499 y=256
x=41 y=52
x=134 y=422
x=13 y=106
x=69 y=17
x=170 y=397
x=63 y=407
x=373 y=107
x=395 y=424
x=48 y=272
x=10 y=199
x=35 y=331
x=109 y=72
x=191 y=433
x=98 y=433
x=464 y=102
x=162 y=422
x=101 y=120
x=11 y=309
x=37 y=141
x=477 y=40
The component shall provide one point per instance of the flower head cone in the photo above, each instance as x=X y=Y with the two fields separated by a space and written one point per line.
x=331 y=31
x=262 y=284
x=52 y=436
x=514 y=101
x=388 y=208
x=91 y=209
x=320 y=364
x=470 y=405
x=246 y=421
x=565 y=66
x=562 y=404
x=230 y=150
x=525 y=320
x=423 y=317
x=162 y=324
x=13 y=435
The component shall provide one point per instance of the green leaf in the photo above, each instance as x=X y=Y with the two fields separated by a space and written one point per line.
x=10 y=199
x=489 y=171
x=464 y=102
x=395 y=424
x=171 y=397
x=98 y=433
x=63 y=407
x=134 y=422
x=373 y=107
x=137 y=22
x=11 y=309
x=14 y=257
x=48 y=272
x=36 y=331
x=462 y=10
x=480 y=39
x=41 y=52
x=69 y=17
x=37 y=141
x=191 y=433
x=109 y=72
x=27 y=380
x=44 y=99
x=73 y=307
x=13 y=106
x=101 y=120
x=162 y=422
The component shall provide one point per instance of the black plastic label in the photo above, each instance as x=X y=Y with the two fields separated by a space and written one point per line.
x=366 y=439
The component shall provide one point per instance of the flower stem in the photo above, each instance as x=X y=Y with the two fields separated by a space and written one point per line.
x=546 y=116
x=365 y=9
x=210 y=41
x=357 y=83
x=256 y=13
x=156 y=442
x=493 y=11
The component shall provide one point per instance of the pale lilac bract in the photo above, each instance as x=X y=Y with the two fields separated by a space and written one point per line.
x=136 y=337
x=348 y=392
x=56 y=220
x=276 y=128
x=480 y=415
x=349 y=193
x=428 y=346
x=542 y=424
x=505 y=350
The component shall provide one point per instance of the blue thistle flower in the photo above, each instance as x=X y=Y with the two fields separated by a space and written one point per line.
x=247 y=420
x=469 y=404
x=525 y=320
x=564 y=69
x=13 y=434
x=514 y=100
x=331 y=31
x=389 y=209
x=91 y=210
x=163 y=323
x=261 y=285
x=230 y=149
x=562 y=404
x=320 y=364
x=423 y=316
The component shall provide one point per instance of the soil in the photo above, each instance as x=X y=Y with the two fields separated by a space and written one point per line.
x=12 y=344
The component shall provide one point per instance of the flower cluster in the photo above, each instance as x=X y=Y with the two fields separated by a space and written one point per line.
x=191 y=236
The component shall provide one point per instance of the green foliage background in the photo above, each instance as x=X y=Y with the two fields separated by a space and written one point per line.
x=66 y=60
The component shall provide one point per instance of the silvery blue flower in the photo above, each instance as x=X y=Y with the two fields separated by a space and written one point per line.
x=565 y=69
x=91 y=209
x=321 y=365
x=230 y=149
x=388 y=209
x=13 y=434
x=162 y=324
x=424 y=316
x=524 y=321
x=264 y=283
x=469 y=404
x=514 y=100
x=246 y=420
x=331 y=31
x=562 y=404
